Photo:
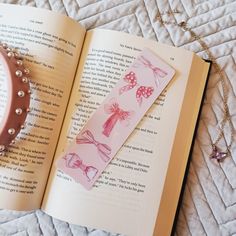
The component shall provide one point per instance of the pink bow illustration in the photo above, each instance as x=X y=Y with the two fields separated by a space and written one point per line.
x=157 y=72
x=116 y=114
x=74 y=161
x=103 y=149
x=142 y=91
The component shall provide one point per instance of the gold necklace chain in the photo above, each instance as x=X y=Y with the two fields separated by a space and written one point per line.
x=216 y=153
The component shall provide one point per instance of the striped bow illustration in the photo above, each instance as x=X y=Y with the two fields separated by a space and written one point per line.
x=103 y=149
x=73 y=161
x=158 y=73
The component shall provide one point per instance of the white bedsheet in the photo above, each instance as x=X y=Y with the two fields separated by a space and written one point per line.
x=209 y=204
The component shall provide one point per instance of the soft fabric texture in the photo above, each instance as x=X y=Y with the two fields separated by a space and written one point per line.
x=209 y=203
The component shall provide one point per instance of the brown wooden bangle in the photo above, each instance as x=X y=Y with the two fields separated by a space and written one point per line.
x=18 y=96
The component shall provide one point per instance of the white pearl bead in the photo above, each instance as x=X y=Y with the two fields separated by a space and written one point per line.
x=19 y=62
x=21 y=93
x=4 y=45
x=27 y=71
x=16 y=54
x=18 y=111
x=11 y=131
x=19 y=73
x=10 y=54
x=13 y=141
x=25 y=80
x=2 y=148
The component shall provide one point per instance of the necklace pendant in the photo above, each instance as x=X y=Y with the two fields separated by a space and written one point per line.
x=217 y=154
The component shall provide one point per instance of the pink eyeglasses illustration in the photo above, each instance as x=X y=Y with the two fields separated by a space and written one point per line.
x=116 y=114
x=18 y=96
x=157 y=72
x=142 y=91
x=103 y=149
x=73 y=161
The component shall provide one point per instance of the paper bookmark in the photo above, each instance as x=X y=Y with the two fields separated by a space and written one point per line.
x=115 y=119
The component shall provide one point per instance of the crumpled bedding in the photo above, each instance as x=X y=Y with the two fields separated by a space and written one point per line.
x=209 y=202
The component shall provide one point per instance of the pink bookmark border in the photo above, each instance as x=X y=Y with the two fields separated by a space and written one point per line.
x=115 y=119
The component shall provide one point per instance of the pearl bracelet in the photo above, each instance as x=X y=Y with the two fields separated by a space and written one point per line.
x=18 y=96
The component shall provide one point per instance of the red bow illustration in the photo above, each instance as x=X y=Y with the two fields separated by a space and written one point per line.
x=103 y=149
x=157 y=72
x=116 y=114
x=141 y=92
x=74 y=161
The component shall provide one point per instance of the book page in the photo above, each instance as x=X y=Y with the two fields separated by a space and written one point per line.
x=50 y=44
x=126 y=198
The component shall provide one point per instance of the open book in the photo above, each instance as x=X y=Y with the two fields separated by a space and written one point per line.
x=72 y=72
